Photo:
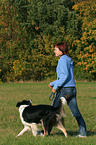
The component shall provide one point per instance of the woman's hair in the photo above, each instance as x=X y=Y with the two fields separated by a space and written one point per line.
x=62 y=47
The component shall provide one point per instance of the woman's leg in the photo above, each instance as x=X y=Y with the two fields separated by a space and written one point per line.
x=70 y=93
x=76 y=113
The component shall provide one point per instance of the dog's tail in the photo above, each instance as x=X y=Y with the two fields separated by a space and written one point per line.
x=60 y=108
x=53 y=117
x=63 y=100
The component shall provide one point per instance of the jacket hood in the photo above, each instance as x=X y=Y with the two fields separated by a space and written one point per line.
x=68 y=58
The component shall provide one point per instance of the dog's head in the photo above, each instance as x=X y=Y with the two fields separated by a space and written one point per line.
x=24 y=102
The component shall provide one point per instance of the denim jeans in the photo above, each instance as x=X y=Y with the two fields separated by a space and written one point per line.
x=70 y=95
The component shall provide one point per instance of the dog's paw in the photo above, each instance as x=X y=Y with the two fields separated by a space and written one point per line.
x=34 y=133
x=16 y=136
x=65 y=134
x=40 y=133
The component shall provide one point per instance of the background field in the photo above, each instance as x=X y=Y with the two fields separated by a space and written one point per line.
x=10 y=124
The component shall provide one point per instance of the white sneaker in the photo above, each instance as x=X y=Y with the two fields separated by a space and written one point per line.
x=81 y=136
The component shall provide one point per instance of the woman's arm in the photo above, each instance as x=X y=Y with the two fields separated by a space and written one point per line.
x=63 y=70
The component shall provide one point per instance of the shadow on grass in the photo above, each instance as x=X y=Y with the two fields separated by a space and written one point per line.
x=74 y=133
x=89 y=133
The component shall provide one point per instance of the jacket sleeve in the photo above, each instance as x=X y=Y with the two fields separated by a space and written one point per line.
x=63 y=66
x=53 y=83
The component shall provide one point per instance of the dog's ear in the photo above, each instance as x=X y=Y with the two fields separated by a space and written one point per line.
x=31 y=101
x=18 y=104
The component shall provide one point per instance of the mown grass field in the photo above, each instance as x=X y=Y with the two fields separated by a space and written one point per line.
x=10 y=124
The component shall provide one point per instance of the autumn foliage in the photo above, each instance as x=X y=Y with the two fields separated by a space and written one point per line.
x=29 y=30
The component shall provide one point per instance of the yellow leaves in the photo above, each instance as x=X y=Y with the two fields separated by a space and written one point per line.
x=0 y=79
x=84 y=63
x=84 y=7
x=91 y=50
x=87 y=59
x=62 y=29
x=79 y=63
x=17 y=68
x=37 y=28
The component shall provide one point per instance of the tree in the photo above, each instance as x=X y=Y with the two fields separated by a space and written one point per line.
x=12 y=40
x=86 y=45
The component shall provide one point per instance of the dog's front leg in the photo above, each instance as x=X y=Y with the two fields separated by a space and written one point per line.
x=24 y=130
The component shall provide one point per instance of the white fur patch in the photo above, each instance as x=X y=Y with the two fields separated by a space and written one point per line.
x=21 y=109
x=63 y=100
x=27 y=126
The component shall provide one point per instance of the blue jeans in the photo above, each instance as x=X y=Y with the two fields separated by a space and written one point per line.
x=70 y=95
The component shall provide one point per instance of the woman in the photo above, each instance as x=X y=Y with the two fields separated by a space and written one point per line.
x=64 y=86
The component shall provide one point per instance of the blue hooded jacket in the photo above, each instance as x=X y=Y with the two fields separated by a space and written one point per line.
x=65 y=74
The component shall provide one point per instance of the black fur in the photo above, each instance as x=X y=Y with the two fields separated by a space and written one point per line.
x=24 y=102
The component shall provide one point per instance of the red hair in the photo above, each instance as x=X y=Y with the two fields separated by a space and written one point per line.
x=62 y=47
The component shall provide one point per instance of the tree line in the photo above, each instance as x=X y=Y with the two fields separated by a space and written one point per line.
x=29 y=30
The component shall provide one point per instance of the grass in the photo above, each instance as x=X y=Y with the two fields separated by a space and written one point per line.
x=10 y=124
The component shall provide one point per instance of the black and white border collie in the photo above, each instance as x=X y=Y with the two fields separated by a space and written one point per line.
x=48 y=116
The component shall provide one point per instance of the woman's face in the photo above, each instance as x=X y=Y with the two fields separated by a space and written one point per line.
x=57 y=51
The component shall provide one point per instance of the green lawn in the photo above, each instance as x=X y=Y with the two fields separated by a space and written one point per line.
x=10 y=124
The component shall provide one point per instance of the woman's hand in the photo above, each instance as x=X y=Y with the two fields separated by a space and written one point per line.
x=49 y=86
x=54 y=90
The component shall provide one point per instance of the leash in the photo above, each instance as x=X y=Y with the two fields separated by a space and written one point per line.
x=52 y=96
